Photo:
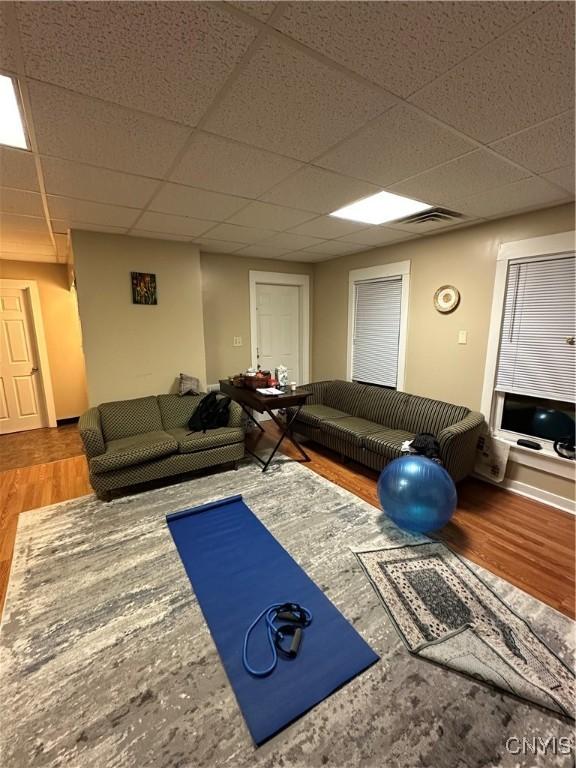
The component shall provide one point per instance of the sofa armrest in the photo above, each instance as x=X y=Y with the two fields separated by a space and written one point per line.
x=91 y=433
x=318 y=389
x=236 y=414
x=458 y=445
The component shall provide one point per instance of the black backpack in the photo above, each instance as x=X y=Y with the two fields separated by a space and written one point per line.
x=426 y=444
x=212 y=412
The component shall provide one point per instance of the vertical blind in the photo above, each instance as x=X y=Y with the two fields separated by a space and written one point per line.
x=537 y=353
x=375 y=341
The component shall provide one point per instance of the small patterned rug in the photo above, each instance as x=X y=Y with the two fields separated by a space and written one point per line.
x=445 y=613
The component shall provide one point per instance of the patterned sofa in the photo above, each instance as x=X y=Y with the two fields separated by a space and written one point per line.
x=132 y=441
x=369 y=424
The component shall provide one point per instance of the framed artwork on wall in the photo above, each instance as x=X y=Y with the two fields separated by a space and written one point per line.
x=144 y=288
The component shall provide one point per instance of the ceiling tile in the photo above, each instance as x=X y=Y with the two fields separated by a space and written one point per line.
x=270 y=216
x=159 y=235
x=12 y=224
x=327 y=227
x=372 y=38
x=174 y=225
x=86 y=182
x=260 y=9
x=376 y=236
x=69 y=209
x=262 y=251
x=217 y=246
x=168 y=59
x=333 y=248
x=563 y=177
x=21 y=202
x=18 y=170
x=543 y=147
x=8 y=49
x=25 y=237
x=315 y=189
x=62 y=226
x=522 y=78
x=305 y=257
x=236 y=234
x=212 y=162
x=449 y=183
x=197 y=203
x=520 y=196
x=400 y=143
x=79 y=128
x=289 y=102
x=292 y=242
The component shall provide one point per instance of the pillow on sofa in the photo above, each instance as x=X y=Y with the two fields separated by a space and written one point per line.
x=188 y=385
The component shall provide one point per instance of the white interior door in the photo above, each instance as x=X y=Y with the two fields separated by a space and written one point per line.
x=20 y=401
x=279 y=328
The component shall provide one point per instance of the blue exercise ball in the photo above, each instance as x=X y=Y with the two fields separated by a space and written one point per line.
x=417 y=493
x=551 y=424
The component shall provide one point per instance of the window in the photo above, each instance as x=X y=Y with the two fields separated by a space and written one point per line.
x=377 y=324
x=529 y=387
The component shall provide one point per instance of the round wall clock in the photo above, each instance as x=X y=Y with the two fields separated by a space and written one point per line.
x=446 y=298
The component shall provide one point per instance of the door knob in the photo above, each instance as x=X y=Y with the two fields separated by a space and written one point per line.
x=34 y=370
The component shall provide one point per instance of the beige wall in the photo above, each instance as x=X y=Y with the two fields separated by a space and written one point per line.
x=226 y=301
x=436 y=365
x=62 y=331
x=133 y=350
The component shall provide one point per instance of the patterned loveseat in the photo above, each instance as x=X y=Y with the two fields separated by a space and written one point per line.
x=132 y=441
x=369 y=424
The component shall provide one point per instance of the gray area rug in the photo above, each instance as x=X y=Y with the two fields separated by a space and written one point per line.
x=105 y=659
x=445 y=613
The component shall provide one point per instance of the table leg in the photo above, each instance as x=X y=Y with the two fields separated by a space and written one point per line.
x=285 y=434
x=247 y=412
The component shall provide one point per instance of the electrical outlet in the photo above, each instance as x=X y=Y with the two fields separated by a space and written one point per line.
x=237 y=341
x=462 y=337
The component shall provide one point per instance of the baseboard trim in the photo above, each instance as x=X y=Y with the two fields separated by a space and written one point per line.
x=531 y=492
x=71 y=420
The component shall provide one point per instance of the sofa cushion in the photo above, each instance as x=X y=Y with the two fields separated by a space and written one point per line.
x=387 y=442
x=344 y=395
x=384 y=406
x=212 y=438
x=314 y=414
x=176 y=410
x=136 y=449
x=124 y=418
x=425 y=415
x=350 y=428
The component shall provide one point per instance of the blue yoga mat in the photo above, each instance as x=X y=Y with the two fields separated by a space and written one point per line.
x=237 y=568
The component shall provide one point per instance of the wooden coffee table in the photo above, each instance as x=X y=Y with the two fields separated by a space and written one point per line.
x=249 y=400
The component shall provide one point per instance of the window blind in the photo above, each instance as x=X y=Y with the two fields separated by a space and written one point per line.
x=375 y=341
x=535 y=356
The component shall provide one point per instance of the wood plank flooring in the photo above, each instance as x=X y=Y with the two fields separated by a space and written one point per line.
x=525 y=542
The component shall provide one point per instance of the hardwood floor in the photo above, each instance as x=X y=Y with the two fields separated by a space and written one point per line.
x=525 y=542
x=39 y=446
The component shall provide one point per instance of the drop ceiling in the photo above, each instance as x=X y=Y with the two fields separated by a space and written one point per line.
x=240 y=126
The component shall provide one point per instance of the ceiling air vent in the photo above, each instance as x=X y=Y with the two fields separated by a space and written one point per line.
x=431 y=215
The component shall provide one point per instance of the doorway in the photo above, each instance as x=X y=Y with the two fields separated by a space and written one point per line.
x=26 y=399
x=280 y=322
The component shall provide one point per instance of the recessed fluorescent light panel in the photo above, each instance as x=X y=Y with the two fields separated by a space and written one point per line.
x=380 y=208
x=12 y=132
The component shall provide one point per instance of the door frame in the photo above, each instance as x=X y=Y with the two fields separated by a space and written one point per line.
x=45 y=391
x=283 y=278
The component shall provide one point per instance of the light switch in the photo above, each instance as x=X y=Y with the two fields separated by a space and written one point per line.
x=462 y=337
x=237 y=341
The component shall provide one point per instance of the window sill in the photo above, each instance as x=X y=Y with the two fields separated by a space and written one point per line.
x=546 y=460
